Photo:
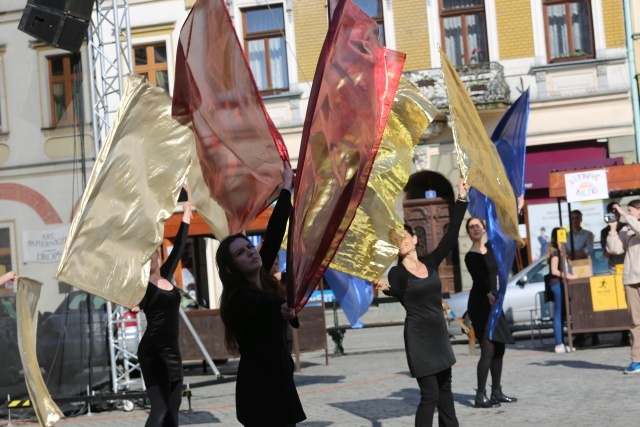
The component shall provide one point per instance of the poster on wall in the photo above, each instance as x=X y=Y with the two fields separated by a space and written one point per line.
x=543 y=218
x=586 y=185
x=44 y=246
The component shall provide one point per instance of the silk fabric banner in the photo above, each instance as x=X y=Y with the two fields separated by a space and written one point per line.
x=27 y=299
x=240 y=150
x=132 y=191
x=372 y=241
x=350 y=101
x=510 y=139
x=477 y=156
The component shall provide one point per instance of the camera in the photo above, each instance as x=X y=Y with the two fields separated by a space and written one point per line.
x=610 y=217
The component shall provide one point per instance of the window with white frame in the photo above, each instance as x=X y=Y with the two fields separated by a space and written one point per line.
x=265 y=47
x=373 y=8
x=569 y=30
x=464 y=31
x=150 y=60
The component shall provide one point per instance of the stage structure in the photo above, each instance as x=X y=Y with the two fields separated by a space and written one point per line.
x=110 y=50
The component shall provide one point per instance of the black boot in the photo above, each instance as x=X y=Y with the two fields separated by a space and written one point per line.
x=498 y=396
x=482 y=401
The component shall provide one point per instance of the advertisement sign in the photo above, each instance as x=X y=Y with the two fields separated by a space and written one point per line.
x=543 y=218
x=603 y=293
x=44 y=246
x=586 y=185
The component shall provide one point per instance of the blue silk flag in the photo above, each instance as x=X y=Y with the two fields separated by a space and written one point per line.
x=354 y=294
x=510 y=139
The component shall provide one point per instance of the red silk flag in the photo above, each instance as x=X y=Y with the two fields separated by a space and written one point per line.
x=239 y=148
x=351 y=97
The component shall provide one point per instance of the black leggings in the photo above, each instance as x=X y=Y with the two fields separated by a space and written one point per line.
x=165 y=403
x=435 y=392
x=491 y=354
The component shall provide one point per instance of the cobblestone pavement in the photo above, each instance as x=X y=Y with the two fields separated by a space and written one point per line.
x=370 y=386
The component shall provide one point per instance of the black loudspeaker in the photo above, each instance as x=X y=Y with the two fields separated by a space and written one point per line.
x=62 y=26
x=79 y=8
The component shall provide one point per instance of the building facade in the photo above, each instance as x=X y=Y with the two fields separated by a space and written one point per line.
x=572 y=55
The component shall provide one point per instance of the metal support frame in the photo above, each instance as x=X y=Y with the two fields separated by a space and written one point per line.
x=110 y=50
x=118 y=351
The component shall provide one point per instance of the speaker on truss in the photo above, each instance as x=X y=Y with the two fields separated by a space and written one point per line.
x=58 y=23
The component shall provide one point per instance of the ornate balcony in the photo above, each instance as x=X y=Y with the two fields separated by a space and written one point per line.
x=485 y=82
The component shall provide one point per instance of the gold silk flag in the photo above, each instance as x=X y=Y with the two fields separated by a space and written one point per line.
x=478 y=159
x=27 y=299
x=132 y=191
x=372 y=241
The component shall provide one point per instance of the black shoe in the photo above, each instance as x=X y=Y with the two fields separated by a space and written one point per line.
x=482 y=401
x=498 y=396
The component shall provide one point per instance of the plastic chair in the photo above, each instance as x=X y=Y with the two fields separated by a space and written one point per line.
x=540 y=317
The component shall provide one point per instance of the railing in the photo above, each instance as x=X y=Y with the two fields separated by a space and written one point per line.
x=485 y=82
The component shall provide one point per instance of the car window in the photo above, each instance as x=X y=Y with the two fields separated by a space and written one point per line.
x=537 y=273
x=7 y=309
x=98 y=302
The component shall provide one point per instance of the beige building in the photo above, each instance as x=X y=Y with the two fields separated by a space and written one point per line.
x=571 y=54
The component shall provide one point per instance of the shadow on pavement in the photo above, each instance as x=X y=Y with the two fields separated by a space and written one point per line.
x=306 y=380
x=399 y=404
x=580 y=364
x=197 y=417
x=465 y=399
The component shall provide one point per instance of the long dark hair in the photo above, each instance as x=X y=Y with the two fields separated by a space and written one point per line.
x=553 y=243
x=233 y=279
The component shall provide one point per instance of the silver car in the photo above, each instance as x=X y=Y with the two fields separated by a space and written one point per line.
x=521 y=293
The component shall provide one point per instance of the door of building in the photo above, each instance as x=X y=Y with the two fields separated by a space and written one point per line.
x=429 y=219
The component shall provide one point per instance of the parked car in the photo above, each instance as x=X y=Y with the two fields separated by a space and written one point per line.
x=521 y=292
x=10 y=364
x=73 y=343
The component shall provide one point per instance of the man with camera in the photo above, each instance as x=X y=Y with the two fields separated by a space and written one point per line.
x=612 y=218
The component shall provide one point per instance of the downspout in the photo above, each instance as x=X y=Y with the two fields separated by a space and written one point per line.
x=635 y=99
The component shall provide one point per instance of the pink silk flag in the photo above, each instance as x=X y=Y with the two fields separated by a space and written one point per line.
x=240 y=151
x=351 y=97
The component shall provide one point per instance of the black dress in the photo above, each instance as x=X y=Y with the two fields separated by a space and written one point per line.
x=266 y=394
x=159 y=351
x=484 y=272
x=426 y=337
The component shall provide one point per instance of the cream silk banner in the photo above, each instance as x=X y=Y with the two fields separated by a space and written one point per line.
x=132 y=191
x=27 y=312
x=372 y=241
x=478 y=158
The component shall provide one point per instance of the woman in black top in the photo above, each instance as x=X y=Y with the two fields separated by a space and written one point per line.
x=483 y=268
x=416 y=284
x=255 y=315
x=556 y=274
x=158 y=352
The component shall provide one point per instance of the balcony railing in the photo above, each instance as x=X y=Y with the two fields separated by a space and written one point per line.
x=485 y=82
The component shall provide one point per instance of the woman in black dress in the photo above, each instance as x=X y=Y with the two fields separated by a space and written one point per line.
x=416 y=284
x=483 y=268
x=158 y=352
x=255 y=315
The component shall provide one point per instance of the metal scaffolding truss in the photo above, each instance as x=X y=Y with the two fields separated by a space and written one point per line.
x=123 y=344
x=109 y=40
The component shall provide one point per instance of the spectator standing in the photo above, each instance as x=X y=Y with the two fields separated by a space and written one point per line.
x=579 y=240
x=627 y=242
x=543 y=240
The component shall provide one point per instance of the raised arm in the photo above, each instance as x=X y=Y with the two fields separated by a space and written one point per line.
x=278 y=222
x=450 y=238
x=170 y=264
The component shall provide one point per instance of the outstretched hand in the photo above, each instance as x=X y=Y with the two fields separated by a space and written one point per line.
x=287 y=176
x=287 y=312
